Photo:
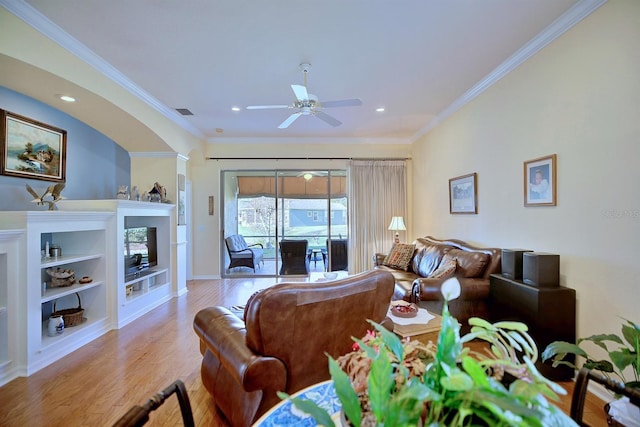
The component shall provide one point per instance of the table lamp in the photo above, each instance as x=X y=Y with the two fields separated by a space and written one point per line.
x=397 y=224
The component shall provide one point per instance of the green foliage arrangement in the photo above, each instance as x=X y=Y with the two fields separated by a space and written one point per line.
x=454 y=388
x=622 y=354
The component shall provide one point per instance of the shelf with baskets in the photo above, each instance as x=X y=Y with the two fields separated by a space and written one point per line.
x=80 y=310
x=71 y=274
x=82 y=241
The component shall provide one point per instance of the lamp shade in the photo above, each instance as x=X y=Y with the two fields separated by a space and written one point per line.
x=397 y=223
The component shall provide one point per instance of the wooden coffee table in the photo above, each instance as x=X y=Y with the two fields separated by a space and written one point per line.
x=431 y=334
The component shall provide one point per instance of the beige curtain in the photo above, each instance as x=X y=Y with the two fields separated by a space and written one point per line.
x=377 y=192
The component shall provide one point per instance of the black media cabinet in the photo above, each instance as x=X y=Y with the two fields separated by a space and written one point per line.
x=550 y=314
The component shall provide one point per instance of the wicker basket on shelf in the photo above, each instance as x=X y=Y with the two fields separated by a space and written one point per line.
x=61 y=277
x=71 y=316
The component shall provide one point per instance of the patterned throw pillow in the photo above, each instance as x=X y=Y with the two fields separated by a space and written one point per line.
x=446 y=269
x=400 y=256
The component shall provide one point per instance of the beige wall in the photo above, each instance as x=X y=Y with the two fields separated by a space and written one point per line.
x=205 y=175
x=578 y=98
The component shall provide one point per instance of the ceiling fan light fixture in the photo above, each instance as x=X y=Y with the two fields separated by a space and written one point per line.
x=307 y=104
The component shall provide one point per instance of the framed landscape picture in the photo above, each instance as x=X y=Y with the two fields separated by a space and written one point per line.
x=463 y=194
x=540 y=181
x=32 y=149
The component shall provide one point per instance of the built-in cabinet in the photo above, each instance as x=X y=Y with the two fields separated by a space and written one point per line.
x=10 y=246
x=153 y=286
x=90 y=238
x=82 y=237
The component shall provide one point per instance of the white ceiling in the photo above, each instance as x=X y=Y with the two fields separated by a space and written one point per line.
x=416 y=58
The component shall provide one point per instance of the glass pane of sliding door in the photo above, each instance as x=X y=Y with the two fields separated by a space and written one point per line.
x=249 y=223
x=338 y=242
x=291 y=216
x=303 y=202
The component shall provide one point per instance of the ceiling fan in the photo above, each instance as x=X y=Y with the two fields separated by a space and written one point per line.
x=308 y=104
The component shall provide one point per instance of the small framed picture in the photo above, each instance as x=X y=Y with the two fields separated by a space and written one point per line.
x=463 y=194
x=540 y=181
x=31 y=149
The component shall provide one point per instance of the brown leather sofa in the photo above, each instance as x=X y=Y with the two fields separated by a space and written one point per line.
x=474 y=266
x=283 y=341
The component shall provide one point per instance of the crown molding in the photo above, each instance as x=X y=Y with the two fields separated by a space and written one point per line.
x=566 y=21
x=310 y=140
x=41 y=23
x=171 y=155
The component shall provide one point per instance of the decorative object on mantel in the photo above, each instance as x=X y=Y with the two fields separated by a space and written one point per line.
x=123 y=192
x=158 y=194
x=135 y=194
x=53 y=191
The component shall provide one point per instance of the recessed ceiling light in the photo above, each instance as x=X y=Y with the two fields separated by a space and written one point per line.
x=235 y=108
x=67 y=98
x=380 y=109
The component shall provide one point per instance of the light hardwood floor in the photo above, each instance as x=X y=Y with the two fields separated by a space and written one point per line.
x=97 y=384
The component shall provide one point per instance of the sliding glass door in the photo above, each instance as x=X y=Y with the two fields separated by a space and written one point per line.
x=291 y=215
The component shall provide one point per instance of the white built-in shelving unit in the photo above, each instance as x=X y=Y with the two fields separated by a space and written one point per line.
x=83 y=239
x=91 y=237
x=10 y=241
x=155 y=286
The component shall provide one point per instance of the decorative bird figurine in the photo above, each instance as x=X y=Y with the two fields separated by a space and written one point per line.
x=53 y=190
x=37 y=199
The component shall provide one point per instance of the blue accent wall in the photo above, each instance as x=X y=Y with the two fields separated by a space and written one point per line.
x=96 y=165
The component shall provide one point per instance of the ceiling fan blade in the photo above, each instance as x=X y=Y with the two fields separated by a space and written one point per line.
x=265 y=107
x=342 y=103
x=327 y=118
x=301 y=92
x=292 y=118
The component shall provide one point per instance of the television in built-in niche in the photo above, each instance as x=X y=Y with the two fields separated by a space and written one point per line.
x=140 y=251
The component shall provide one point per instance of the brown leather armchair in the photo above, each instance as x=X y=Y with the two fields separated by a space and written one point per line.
x=283 y=341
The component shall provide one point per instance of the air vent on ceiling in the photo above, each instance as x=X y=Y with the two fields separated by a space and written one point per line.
x=184 y=111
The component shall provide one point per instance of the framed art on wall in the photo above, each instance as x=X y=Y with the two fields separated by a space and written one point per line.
x=31 y=149
x=182 y=200
x=540 y=181
x=463 y=194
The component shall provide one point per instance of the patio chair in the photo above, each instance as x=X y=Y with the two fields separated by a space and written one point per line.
x=338 y=255
x=243 y=255
x=293 y=255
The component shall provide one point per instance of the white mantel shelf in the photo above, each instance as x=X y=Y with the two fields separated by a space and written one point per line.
x=110 y=205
